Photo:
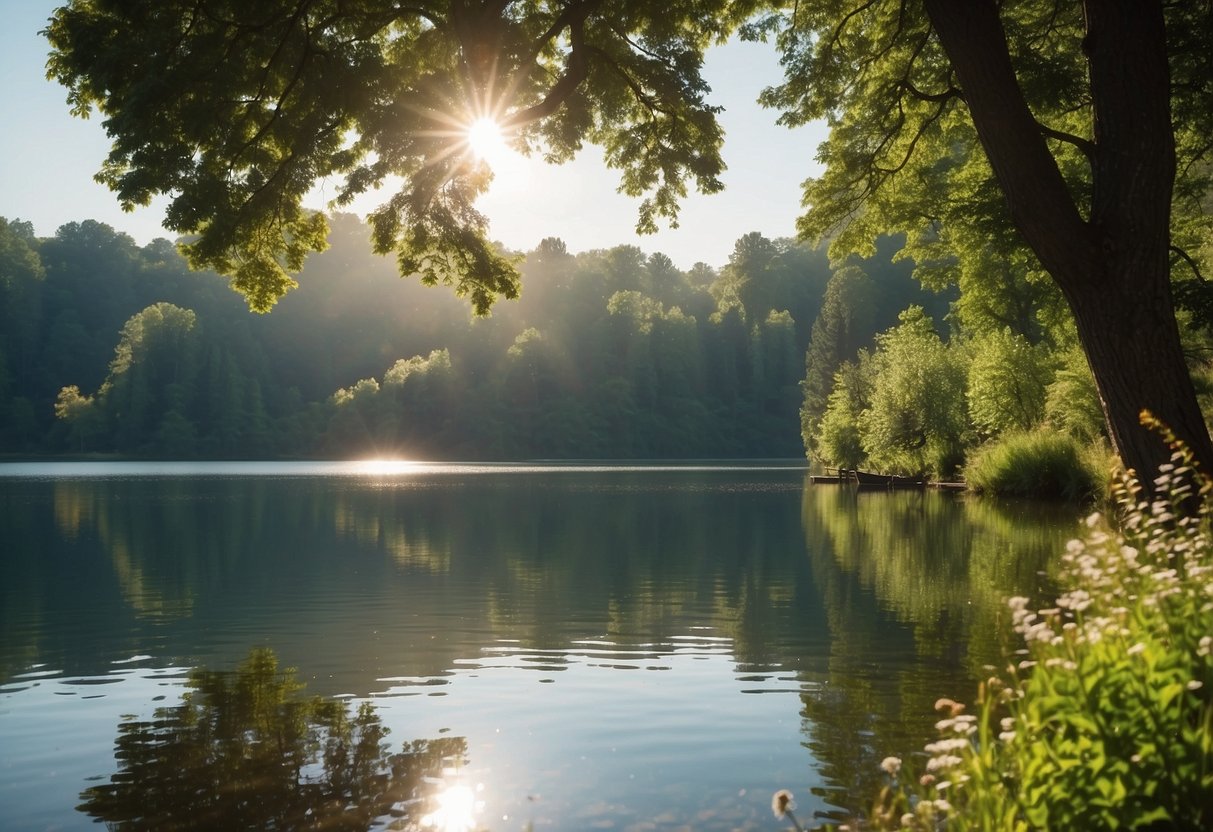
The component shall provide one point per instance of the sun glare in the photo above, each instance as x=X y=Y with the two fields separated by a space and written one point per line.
x=456 y=812
x=383 y=467
x=486 y=141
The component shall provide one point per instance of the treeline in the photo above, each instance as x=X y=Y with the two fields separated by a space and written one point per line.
x=109 y=347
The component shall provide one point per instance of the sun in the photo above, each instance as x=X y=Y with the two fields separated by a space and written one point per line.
x=485 y=139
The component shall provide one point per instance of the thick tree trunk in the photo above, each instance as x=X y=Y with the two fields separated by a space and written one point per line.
x=1113 y=266
x=1127 y=329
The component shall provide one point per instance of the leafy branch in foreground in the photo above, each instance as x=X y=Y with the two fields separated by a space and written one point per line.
x=237 y=111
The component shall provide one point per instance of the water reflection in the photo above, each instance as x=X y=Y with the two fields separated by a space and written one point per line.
x=654 y=648
x=911 y=573
x=246 y=750
x=456 y=810
x=470 y=560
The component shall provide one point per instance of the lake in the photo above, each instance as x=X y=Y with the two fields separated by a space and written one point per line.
x=409 y=646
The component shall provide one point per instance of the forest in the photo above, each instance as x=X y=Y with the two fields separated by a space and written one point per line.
x=107 y=347
x=111 y=348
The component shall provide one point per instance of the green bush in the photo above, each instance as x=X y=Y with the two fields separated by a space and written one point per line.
x=1040 y=464
x=1104 y=718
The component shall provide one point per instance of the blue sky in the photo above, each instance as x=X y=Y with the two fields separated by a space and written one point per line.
x=48 y=158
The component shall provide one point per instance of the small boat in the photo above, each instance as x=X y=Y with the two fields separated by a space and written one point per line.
x=869 y=480
x=865 y=479
x=826 y=479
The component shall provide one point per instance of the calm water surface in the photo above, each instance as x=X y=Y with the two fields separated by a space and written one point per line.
x=356 y=645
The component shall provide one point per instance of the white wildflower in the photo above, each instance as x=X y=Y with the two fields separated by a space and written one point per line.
x=782 y=803
x=944 y=761
x=943 y=746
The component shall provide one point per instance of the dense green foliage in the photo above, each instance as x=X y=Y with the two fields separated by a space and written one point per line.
x=111 y=348
x=920 y=398
x=1029 y=151
x=912 y=421
x=376 y=93
x=108 y=347
x=1104 y=719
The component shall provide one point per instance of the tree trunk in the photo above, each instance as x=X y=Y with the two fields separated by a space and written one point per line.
x=1127 y=329
x=1113 y=267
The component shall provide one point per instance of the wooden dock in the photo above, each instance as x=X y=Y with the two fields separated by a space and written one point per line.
x=870 y=480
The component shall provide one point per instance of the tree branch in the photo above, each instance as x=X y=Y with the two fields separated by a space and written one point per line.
x=922 y=129
x=575 y=72
x=937 y=97
x=1086 y=147
x=1183 y=255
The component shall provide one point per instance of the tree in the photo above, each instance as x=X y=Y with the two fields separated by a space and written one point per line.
x=21 y=277
x=837 y=438
x=916 y=418
x=235 y=110
x=1083 y=113
x=1071 y=400
x=844 y=325
x=21 y=282
x=80 y=414
x=150 y=382
x=1007 y=381
x=764 y=276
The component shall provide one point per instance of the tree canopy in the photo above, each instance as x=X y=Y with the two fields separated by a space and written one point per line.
x=236 y=110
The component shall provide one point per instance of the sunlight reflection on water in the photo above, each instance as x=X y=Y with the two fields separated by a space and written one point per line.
x=360 y=468
x=457 y=809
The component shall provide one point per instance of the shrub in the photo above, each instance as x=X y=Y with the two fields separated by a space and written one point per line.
x=1040 y=464
x=1105 y=719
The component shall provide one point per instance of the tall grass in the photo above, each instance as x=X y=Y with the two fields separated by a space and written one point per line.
x=1041 y=464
